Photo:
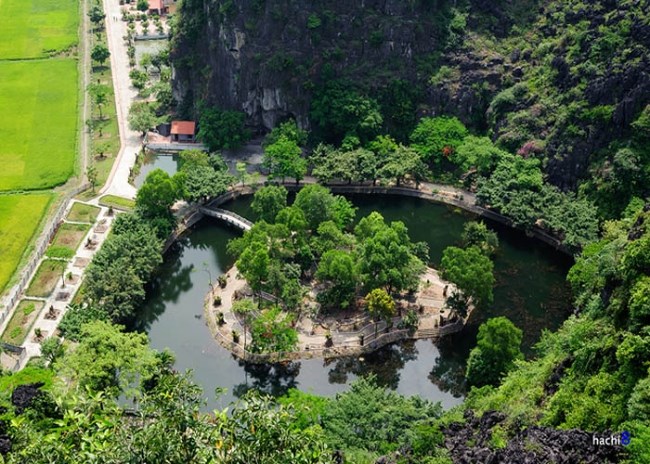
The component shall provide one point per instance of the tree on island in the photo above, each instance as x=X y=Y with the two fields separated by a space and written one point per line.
x=477 y=234
x=268 y=202
x=320 y=205
x=386 y=258
x=307 y=241
x=380 y=306
x=272 y=331
x=243 y=309
x=338 y=269
x=254 y=265
x=471 y=271
x=497 y=348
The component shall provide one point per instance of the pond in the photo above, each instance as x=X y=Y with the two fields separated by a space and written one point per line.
x=151 y=161
x=530 y=290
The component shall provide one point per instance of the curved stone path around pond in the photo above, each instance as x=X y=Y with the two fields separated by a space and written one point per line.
x=344 y=334
x=438 y=193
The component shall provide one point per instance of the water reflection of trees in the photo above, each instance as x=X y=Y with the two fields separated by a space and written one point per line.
x=386 y=363
x=273 y=379
x=172 y=280
x=448 y=371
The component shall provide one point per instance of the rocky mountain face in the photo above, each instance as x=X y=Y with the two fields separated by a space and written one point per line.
x=561 y=79
x=266 y=57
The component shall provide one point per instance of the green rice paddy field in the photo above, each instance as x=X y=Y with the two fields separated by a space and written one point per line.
x=37 y=28
x=20 y=217
x=38 y=123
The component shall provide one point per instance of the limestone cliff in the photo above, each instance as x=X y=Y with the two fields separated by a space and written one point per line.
x=564 y=79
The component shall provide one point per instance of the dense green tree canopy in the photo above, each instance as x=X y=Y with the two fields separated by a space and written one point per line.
x=268 y=202
x=338 y=111
x=108 y=359
x=202 y=176
x=386 y=258
x=438 y=138
x=157 y=194
x=338 y=268
x=471 y=271
x=116 y=277
x=283 y=158
x=222 y=129
x=497 y=347
x=319 y=205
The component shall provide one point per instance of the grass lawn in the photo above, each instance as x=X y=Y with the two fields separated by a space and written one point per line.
x=36 y=28
x=70 y=235
x=24 y=316
x=38 y=122
x=20 y=216
x=83 y=213
x=46 y=278
x=117 y=202
x=28 y=375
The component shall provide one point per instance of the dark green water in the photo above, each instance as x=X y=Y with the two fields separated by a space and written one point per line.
x=168 y=163
x=530 y=290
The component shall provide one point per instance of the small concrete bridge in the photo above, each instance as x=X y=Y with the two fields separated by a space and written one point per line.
x=229 y=217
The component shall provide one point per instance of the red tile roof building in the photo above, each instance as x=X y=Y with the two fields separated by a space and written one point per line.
x=183 y=131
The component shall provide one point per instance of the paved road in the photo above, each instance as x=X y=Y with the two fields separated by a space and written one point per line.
x=131 y=142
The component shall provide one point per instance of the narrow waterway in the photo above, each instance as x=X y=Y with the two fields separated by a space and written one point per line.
x=530 y=290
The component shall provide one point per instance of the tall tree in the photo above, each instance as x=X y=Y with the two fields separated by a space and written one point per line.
x=108 y=359
x=268 y=202
x=497 y=347
x=100 y=53
x=141 y=117
x=337 y=267
x=380 y=304
x=283 y=158
x=157 y=194
x=438 y=138
x=471 y=271
x=99 y=95
x=253 y=263
x=385 y=255
x=222 y=129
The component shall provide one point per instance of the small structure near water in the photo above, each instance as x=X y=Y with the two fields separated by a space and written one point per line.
x=183 y=131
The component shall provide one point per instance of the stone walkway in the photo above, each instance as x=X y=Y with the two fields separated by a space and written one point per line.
x=131 y=142
x=97 y=233
x=312 y=335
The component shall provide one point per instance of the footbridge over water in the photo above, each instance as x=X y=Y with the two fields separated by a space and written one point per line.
x=226 y=216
